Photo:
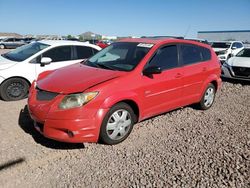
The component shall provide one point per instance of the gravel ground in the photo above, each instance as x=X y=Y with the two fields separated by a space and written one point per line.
x=182 y=148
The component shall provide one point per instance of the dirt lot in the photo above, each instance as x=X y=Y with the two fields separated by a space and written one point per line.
x=183 y=148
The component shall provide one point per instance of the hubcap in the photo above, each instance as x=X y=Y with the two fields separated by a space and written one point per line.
x=119 y=124
x=209 y=97
x=15 y=90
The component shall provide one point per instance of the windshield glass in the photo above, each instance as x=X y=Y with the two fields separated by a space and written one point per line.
x=244 y=53
x=24 y=52
x=221 y=44
x=121 y=56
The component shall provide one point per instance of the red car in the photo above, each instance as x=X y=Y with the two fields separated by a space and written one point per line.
x=102 y=44
x=102 y=98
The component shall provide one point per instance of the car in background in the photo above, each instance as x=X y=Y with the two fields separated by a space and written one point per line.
x=19 y=67
x=238 y=67
x=129 y=81
x=226 y=49
x=102 y=44
x=28 y=40
x=11 y=43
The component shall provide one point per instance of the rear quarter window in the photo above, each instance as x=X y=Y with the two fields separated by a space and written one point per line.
x=193 y=54
x=85 y=52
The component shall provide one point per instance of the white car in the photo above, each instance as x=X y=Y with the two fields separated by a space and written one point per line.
x=238 y=67
x=226 y=49
x=18 y=68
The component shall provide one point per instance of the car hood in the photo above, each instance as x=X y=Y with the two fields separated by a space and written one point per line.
x=75 y=78
x=6 y=63
x=239 y=61
x=219 y=49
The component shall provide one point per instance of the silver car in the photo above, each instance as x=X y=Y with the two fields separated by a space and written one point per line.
x=11 y=43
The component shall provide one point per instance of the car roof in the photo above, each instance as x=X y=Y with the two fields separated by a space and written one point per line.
x=227 y=41
x=162 y=40
x=67 y=42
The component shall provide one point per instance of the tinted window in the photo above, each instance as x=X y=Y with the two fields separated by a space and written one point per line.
x=206 y=54
x=244 y=53
x=190 y=54
x=165 y=58
x=84 y=52
x=62 y=53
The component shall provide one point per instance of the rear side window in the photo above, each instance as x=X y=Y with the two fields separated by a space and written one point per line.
x=62 y=53
x=166 y=58
x=190 y=54
x=84 y=52
x=193 y=54
x=206 y=54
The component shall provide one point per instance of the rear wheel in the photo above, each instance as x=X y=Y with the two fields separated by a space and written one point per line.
x=117 y=124
x=2 y=46
x=208 y=97
x=14 y=89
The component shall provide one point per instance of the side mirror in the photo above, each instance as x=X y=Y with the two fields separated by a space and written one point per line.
x=152 y=70
x=233 y=48
x=45 y=61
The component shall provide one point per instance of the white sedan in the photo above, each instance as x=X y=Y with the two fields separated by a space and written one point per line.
x=18 y=68
x=238 y=67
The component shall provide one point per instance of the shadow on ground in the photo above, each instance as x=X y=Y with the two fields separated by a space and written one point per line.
x=242 y=82
x=26 y=123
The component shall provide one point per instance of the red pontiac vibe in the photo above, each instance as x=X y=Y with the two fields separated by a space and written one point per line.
x=102 y=98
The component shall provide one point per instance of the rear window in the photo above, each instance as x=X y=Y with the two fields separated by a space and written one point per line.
x=206 y=53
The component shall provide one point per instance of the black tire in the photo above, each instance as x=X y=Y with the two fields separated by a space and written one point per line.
x=105 y=134
x=204 y=104
x=2 y=46
x=14 y=89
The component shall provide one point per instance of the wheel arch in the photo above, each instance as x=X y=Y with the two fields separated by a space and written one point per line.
x=20 y=77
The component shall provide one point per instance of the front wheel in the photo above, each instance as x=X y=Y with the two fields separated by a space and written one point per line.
x=117 y=124
x=207 y=98
x=14 y=89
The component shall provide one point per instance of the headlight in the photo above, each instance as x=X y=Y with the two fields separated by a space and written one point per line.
x=225 y=64
x=76 y=100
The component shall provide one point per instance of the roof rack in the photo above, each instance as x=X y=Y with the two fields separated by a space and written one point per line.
x=162 y=37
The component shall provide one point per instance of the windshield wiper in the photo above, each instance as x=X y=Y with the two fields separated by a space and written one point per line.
x=104 y=66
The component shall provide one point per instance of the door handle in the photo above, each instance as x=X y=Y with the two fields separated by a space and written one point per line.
x=178 y=75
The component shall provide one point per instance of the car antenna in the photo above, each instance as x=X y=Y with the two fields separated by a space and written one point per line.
x=188 y=28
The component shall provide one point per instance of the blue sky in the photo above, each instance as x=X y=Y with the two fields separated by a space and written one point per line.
x=123 y=17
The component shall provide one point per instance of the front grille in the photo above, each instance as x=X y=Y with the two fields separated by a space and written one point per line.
x=241 y=71
x=45 y=95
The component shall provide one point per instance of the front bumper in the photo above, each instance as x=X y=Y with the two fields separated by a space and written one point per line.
x=75 y=125
x=227 y=72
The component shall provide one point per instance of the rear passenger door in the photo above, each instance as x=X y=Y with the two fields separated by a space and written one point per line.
x=61 y=56
x=195 y=63
x=162 y=91
x=84 y=52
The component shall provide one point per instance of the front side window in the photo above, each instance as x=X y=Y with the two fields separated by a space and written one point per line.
x=165 y=58
x=190 y=54
x=244 y=53
x=62 y=53
x=121 y=56
x=26 y=51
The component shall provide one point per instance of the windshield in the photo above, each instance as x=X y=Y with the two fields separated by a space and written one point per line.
x=244 y=53
x=121 y=56
x=221 y=44
x=24 y=52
